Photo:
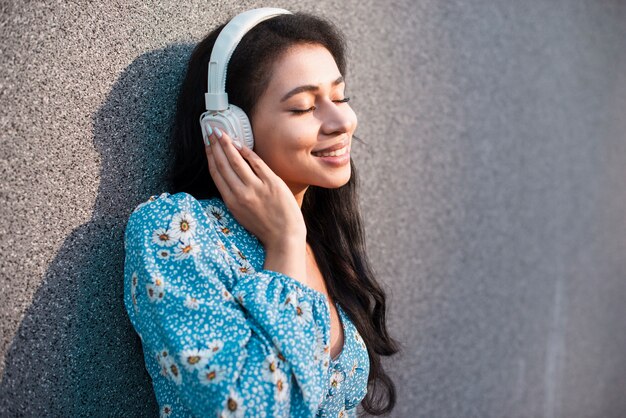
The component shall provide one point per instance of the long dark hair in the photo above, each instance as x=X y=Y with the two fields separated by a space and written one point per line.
x=332 y=216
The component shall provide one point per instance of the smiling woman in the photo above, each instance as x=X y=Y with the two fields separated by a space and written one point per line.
x=293 y=124
x=249 y=284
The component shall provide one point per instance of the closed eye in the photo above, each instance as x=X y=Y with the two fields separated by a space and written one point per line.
x=301 y=111
x=312 y=108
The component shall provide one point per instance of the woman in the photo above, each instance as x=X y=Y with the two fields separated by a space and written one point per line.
x=250 y=285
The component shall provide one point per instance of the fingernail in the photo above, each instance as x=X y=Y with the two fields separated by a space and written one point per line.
x=207 y=142
x=209 y=131
x=217 y=131
x=237 y=144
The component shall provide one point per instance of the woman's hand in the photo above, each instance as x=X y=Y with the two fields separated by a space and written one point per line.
x=259 y=199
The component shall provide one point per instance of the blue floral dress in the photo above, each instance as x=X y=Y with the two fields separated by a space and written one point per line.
x=221 y=336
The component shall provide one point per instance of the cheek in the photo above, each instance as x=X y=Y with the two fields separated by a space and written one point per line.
x=293 y=133
x=275 y=139
x=263 y=133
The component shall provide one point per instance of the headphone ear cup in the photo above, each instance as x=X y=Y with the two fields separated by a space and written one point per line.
x=233 y=121
x=244 y=123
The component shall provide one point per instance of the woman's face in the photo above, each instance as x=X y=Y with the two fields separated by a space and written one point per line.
x=303 y=111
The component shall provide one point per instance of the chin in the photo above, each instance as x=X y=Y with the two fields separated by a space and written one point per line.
x=335 y=183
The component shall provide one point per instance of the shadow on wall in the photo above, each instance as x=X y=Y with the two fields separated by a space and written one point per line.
x=75 y=352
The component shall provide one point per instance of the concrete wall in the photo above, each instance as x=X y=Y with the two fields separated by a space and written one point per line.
x=492 y=187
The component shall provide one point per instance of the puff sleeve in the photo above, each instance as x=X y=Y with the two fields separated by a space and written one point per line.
x=225 y=341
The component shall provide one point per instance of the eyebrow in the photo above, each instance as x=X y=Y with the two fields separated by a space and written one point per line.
x=308 y=87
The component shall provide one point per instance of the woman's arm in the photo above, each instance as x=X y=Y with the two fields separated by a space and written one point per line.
x=288 y=257
x=261 y=202
x=222 y=338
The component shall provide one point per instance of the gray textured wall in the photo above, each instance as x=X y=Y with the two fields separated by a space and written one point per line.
x=492 y=187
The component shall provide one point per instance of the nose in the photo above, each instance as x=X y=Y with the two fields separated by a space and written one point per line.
x=338 y=119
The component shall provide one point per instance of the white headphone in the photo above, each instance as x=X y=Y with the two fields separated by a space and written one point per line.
x=228 y=117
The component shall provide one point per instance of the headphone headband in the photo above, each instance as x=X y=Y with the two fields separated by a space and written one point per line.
x=216 y=98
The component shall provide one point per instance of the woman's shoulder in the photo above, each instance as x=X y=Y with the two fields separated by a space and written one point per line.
x=180 y=200
x=212 y=210
x=160 y=204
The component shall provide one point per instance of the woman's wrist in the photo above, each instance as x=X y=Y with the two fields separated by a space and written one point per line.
x=288 y=257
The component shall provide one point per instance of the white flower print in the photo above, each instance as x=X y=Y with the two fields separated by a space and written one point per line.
x=216 y=213
x=240 y=296
x=156 y=289
x=186 y=248
x=163 y=238
x=174 y=373
x=213 y=374
x=359 y=339
x=163 y=254
x=326 y=362
x=215 y=346
x=355 y=365
x=166 y=411
x=336 y=378
x=133 y=290
x=271 y=367
x=225 y=230
x=290 y=300
x=221 y=246
x=182 y=226
x=245 y=267
x=192 y=303
x=226 y=295
x=304 y=312
x=158 y=280
x=233 y=406
x=163 y=360
x=133 y=296
x=239 y=255
x=163 y=353
x=195 y=359
x=281 y=387
x=169 y=368
x=320 y=348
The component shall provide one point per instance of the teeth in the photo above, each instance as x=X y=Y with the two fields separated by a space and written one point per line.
x=335 y=153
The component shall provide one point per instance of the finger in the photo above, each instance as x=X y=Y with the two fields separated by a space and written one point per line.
x=260 y=168
x=236 y=160
x=222 y=164
x=219 y=181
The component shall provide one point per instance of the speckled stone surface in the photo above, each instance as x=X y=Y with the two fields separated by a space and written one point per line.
x=492 y=186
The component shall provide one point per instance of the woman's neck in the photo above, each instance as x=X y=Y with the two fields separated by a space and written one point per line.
x=298 y=193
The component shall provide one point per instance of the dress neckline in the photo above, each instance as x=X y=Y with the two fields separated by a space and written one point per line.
x=345 y=333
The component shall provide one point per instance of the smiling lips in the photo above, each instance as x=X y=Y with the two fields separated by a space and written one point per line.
x=336 y=153
x=336 y=150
